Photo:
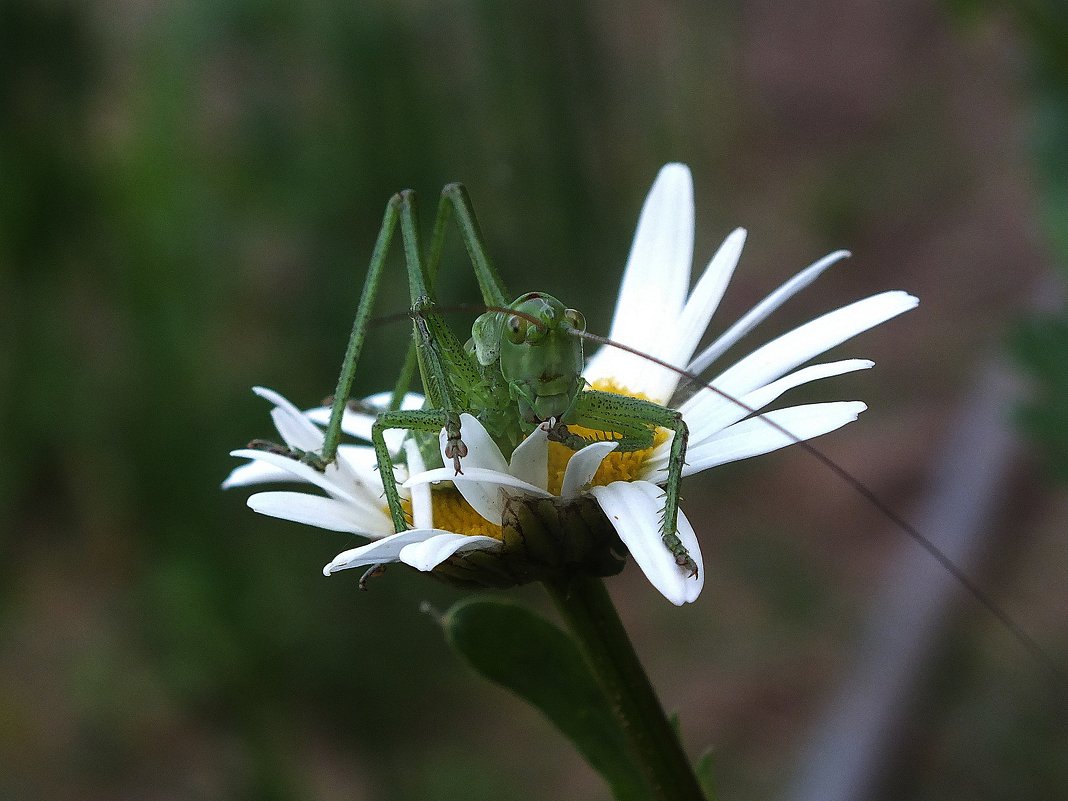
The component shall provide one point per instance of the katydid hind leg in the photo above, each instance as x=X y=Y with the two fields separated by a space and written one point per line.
x=448 y=375
x=451 y=380
x=439 y=354
x=455 y=203
x=368 y=295
x=332 y=436
x=401 y=209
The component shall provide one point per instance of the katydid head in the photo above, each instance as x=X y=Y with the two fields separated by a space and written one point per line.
x=539 y=356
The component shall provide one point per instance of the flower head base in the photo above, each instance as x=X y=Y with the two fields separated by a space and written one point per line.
x=543 y=539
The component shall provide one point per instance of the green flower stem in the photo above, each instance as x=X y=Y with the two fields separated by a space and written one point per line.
x=586 y=606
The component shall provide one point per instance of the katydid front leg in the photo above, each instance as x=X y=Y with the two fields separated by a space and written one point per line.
x=427 y=420
x=636 y=420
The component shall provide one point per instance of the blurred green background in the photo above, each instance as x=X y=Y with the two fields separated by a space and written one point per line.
x=189 y=193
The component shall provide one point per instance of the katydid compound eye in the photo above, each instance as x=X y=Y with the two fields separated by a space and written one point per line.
x=516 y=329
x=575 y=317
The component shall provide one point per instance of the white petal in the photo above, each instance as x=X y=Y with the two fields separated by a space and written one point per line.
x=357 y=469
x=634 y=509
x=530 y=460
x=358 y=424
x=476 y=475
x=295 y=428
x=482 y=451
x=394 y=439
x=303 y=472
x=760 y=312
x=582 y=467
x=422 y=503
x=428 y=554
x=657 y=274
x=362 y=462
x=703 y=301
x=788 y=351
x=755 y=436
x=481 y=488
x=362 y=429
x=381 y=551
x=355 y=424
x=656 y=277
x=257 y=472
x=661 y=453
x=707 y=413
x=380 y=400
x=485 y=497
x=678 y=337
x=315 y=510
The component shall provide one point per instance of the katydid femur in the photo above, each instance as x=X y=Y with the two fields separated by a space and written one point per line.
x=522 y=368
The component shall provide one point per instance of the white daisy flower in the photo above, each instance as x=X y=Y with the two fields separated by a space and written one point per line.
x=353 y=501
x=627 y=486
x=488 y=479
x=655 y=287
x=655 y=283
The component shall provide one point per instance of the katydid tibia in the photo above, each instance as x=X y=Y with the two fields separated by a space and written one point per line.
x=522 y=368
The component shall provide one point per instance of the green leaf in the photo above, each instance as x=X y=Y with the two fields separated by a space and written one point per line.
x=1040 y=344
x=705 y=770
x=513 y=647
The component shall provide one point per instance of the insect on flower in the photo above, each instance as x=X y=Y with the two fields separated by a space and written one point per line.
x=516 y=413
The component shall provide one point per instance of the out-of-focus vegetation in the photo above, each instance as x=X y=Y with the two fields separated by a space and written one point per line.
x=189 y=193
x=1041 y=341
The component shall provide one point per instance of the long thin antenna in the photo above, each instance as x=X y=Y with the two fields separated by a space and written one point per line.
x=962 y=578
x=951 y=567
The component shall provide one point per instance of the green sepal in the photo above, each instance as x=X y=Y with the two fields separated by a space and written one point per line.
x=545 y=539
x=511 y=646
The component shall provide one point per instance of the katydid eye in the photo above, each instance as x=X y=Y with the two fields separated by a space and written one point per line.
x=516 y=329
x=575 y=317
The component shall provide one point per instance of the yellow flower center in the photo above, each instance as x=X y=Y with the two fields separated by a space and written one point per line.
x=453 y=513
x=616 y=466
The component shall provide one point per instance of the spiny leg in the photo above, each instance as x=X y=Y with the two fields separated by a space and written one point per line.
x=425 y=420
x=454 y=199
x=452 y=195
x=401 y=207
x=442 y=362
x=634 y=419
x=332 y=437
x=451 y=379
x=447 y=373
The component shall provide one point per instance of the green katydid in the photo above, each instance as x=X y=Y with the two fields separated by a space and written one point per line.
x=522 y=368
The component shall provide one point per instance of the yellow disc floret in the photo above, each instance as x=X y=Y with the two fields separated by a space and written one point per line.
x=616 y=466
x=453 y=513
